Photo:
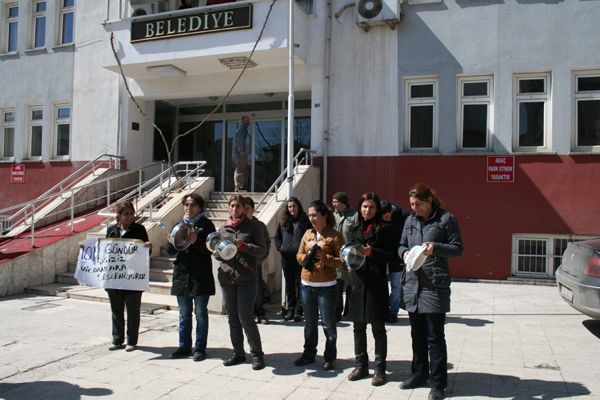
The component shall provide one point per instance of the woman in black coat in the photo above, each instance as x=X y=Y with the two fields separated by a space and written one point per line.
x=368 y=300
x=292 y=225
x=427 y=289
x=193 y=281
x=120 y=298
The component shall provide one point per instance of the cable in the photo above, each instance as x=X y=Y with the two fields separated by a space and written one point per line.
x=169 y=149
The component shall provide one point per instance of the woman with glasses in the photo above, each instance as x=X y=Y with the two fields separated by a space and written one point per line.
x=239 y=282
x=120 y=299
x=427 y=289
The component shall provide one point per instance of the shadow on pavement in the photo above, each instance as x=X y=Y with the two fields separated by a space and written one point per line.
x=164 y=353
x=48 y=390
x=467 y=321
x=466 y=384
x=592 y=325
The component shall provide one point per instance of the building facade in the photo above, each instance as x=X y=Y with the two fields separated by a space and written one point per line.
x=495 y=104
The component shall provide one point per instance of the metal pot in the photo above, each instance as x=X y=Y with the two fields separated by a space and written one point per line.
x=226 y=249
x=353 y=256
x=212 y=240
x=179 y=235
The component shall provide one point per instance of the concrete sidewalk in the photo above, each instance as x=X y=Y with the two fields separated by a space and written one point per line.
x=504 y=341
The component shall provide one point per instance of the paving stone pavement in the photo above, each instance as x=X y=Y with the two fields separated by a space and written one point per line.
x=504 y=342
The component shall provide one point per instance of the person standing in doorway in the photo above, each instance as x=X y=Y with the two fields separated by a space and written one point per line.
x=241 y=152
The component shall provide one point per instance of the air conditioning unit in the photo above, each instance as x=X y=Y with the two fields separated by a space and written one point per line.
x=143 y=7
x=378 y=12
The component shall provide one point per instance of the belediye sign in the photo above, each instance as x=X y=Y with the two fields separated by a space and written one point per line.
x=209 y=21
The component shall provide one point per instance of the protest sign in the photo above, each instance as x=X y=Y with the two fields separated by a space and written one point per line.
x=113 y=264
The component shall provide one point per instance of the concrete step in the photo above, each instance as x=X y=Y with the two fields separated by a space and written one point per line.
x=227 y=195
x=151 y=302
x=162 y=262
x=163 y=288
x=161 y=275
x=67 y=278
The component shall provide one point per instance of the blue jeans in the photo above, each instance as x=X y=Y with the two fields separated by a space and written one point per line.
x=395 y=291
x=323 y=300
x=428 y=339
x=185 y=321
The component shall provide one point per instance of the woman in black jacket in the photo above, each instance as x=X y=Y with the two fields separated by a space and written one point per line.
x=293 y=222
x=368 y=300
x=193 y=280
x=120 y=298
x=427 y=289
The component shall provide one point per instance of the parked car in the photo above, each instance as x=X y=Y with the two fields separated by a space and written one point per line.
x=578 y=277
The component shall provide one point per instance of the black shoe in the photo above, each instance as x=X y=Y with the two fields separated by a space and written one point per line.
x=298 y=318
x=436 y=394
x=379 y=378
x=288 y=316
x=303 y=360
x=199 y=355
x=393 y=319
x=358 y=373
x=235 y=359
x=262 y=320
x=329 y=365
x=258 y=363
x=181 y=353
x=114 y=347
x=413 y=382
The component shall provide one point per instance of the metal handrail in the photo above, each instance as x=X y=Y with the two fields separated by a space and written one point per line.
x=63 y=184
x=158 y=180
x=70 y=192
x=302 y=155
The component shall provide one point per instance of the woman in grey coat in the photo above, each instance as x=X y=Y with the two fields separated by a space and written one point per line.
x=427 y=290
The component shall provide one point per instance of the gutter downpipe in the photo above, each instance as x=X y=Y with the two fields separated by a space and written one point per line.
x=327 y=96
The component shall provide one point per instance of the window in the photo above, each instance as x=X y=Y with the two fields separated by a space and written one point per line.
x=12 y=26
x=532 y=106
x=38 y=24
x=35 y=146
x=474 y=113
x=421 y=114
x=540 y=255
x=62 y=129
x=66 y=21
x=7 y=139
x=587 y=110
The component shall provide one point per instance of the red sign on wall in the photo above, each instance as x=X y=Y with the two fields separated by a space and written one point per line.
x=501 y=168
x=17 y=173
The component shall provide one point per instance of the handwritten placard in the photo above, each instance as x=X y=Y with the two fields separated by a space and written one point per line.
x=113 y=264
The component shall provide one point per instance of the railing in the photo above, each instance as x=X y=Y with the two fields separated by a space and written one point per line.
x=109 y=160
x=303 y=156
x=28 y=209
x=182 y=171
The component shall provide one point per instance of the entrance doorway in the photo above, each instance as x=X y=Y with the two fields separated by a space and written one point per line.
x=268 y=137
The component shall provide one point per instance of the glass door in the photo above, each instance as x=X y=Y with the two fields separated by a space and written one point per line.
x=203 y=144
x=267 y=154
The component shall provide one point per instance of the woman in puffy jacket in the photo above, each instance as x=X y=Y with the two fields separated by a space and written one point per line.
x=293 y=222
x=427 y=289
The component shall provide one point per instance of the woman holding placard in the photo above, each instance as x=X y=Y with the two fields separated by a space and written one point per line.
x=120 y=299
x=431 y=235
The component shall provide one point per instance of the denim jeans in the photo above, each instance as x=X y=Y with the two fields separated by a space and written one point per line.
x=323 y=300
x=185 y=321
x=395 y=291
x=428 y=339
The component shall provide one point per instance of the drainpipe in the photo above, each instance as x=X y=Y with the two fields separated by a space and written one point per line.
x=327 y=95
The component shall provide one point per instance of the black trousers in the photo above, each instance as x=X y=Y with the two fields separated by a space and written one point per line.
x=360 y=345
x=430 y=356
x=119 y=300
x=291 y=272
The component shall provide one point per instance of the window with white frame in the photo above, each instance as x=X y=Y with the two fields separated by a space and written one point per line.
x=532 y=99
x=421 y=114
x=38 y=24
x=8 y=134
x=12 y=27
x=62 y=126
x=540 y=255
x=36 y=130
x=587 y=110
x=66 y=21
x=475 y=112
